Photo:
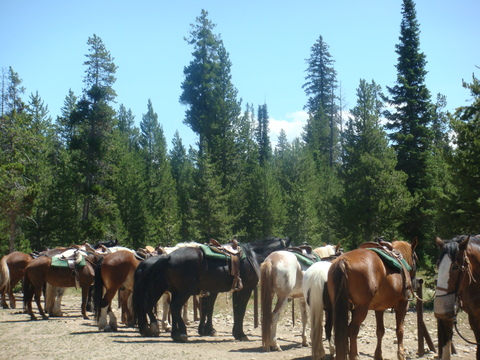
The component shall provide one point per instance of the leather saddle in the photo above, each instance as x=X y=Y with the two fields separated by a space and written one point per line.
x=233 y=251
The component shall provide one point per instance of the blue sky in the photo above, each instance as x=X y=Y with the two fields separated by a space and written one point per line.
x=45 y=42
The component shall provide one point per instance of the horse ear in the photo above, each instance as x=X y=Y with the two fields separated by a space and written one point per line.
x=414 y=243
x=440 y=243
x=463 y=245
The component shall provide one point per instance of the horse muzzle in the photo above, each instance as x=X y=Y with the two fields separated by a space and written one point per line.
x=444 y=306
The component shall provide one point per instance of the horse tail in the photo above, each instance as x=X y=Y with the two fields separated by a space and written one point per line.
x=149 y=284
x=50 y=293
x=341 y=306
x=314 y=284
x=266 y=296
x=98 y=291
x=4 y=275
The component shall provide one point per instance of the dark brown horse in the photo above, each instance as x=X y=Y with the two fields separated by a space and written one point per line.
x=12 y=270
x=113 y=273
x=458 y=283
x=360 y=280
x=39 y=272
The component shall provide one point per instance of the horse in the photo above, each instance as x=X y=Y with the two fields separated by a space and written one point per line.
x=113 y=272
x=281 y=274
x=316 y=296
x=39 y=272
x=457 y=284
x=361 y=280
x=188 y=271
x=12 y=270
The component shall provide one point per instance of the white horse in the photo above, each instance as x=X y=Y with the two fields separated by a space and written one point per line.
x=316 y=296
x=281 y=274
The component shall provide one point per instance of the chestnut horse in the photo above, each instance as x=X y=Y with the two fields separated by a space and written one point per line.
x=457 y=284
x=12 y=270
x=281 y=275
x=39 y=272
x=360 y=280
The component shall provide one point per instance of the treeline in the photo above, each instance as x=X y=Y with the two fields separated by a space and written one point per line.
x=91 y=174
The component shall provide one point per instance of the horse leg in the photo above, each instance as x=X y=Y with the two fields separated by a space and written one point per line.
x=179 y=330
x=303 y=310
x=474 y=324
x=380 y=333
x=106 y=310
x=277 y=311
x=165 y=300
x=400 y=312
x=3 y=294
x=85 y=290
x=358 y=316
x=38 y=294
x=185 y=314
x=205 y=328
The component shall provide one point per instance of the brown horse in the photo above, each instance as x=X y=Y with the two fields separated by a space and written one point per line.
x=113 y=273
x=39 y=271
x=457 y=283
x=360 y=280
x=12 y=270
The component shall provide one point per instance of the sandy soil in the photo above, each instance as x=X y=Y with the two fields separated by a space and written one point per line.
x=72 y=337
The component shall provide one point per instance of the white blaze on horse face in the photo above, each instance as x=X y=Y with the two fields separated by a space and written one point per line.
x=443 y=276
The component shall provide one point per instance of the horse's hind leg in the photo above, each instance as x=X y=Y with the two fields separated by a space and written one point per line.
x=38 y=294
x=179 y=330
x=303 y=310
x=400 y=312
x=279 y=306
x=358 y=316
x=205 y=328
x=380 y=333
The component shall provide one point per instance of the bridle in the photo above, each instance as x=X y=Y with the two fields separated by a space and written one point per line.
x=465 y=268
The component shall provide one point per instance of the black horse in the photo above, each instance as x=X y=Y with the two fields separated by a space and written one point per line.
x=186 y=272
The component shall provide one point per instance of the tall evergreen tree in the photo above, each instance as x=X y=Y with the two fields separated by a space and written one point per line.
x=409 y=125
x=263 y=139
x=375 y=195
x=321 y=132
x=160 y=195
x=466 y=162
x=93 y=121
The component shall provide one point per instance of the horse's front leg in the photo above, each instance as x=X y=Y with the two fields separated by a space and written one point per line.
x=400 y=312
x=380 y=333
x=303 y=310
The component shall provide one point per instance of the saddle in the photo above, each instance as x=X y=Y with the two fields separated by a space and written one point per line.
x=71 y=258
x=304 y=250
x=233 y=251
x=393 y=258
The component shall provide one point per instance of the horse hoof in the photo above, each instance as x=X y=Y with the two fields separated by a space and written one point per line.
x=213 y=333
x=183 y=338
x=243 y=338
x=44 y=317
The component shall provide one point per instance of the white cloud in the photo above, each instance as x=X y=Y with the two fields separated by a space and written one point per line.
x=293 y=125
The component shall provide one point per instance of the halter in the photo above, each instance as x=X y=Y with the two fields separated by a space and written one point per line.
x=465 y=268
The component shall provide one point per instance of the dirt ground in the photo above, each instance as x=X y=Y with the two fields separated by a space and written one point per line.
x=72 y=337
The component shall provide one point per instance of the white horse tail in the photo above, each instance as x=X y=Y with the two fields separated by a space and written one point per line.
x=314 y=283
x=4 y=275
x=266 y=296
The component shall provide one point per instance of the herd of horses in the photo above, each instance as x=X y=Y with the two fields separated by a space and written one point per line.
x=343 y=286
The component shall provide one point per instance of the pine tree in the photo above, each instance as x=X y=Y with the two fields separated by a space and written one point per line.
x=466 y=162
x=92 y=122
x=263 y=139
x=160 y=190
x=375 y=194
x=409 y=125
x=321 y=132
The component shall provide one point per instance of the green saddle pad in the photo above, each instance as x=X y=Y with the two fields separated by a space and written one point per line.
x=306 y=261
x=56 y=262
x=209 y=253
x=391 y=261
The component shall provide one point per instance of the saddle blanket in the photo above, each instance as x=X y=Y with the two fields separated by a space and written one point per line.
x=391 y=261
x=306 y=261
x=69 y=259
x=208 y=252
